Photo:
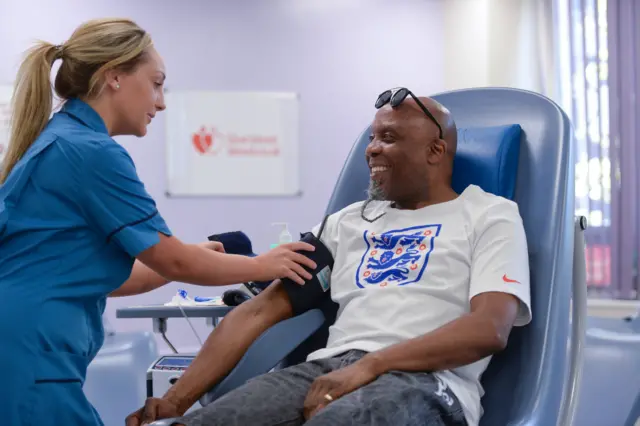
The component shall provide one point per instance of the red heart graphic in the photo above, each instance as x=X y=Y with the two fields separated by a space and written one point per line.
x=203 y=140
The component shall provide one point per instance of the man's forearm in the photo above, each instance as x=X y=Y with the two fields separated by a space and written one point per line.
x=226 y=345
x=460 y=342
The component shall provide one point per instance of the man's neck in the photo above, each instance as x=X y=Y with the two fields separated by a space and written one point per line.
x=435 y=195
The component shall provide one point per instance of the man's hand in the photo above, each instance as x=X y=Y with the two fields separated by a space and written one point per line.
x=336 y=384
x=154 y=409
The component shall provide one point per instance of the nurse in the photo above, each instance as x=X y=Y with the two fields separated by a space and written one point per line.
x=76 y=223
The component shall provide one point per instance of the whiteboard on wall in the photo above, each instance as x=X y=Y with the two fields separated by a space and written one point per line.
x=5 y=117
x=232 y=143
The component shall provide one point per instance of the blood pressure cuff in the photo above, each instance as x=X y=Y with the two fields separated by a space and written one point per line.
x=314 y=291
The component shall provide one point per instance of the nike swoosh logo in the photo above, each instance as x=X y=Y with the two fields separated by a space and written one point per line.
x=509 y=280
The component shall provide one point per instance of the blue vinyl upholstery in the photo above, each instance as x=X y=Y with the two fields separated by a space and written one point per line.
x=487 y=157
x=516 y=144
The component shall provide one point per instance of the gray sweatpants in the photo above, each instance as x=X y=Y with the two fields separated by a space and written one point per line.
x=277 y=398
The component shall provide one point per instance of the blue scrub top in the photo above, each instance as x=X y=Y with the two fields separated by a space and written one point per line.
x=73 y=217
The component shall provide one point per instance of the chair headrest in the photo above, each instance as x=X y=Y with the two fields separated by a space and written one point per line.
x=488 y=157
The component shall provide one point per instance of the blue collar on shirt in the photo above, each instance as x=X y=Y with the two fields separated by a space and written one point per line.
x=84 y=113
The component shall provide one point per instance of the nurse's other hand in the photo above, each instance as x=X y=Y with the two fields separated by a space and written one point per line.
x=284 y=262
x=154 y=409
x=213 y=245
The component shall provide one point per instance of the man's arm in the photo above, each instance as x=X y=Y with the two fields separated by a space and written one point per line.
x=482 y=332
x=465 y=340
x=228 y=342
x=220 y=353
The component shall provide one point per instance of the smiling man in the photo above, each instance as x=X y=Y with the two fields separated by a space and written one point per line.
x=429 y=284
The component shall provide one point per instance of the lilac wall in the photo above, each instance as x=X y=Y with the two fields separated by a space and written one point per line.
x=338 y=54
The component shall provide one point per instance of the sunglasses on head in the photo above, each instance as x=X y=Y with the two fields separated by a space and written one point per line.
x=396 y=96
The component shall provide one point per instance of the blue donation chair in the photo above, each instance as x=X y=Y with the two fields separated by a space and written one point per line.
x=116 y=378
x=610 y=388
x=516 y=144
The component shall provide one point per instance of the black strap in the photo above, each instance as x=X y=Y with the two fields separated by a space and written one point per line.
x=324 y=222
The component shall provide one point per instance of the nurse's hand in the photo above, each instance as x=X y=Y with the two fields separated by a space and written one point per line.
x=284 y=262
x=154 y=409
x=213 y=245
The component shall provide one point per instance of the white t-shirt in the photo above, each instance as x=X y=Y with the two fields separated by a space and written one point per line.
x=413 y=271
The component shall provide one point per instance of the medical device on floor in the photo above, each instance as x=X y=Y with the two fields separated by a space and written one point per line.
x=165 y=372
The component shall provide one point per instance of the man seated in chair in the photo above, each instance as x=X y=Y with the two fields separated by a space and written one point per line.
x=429 y=285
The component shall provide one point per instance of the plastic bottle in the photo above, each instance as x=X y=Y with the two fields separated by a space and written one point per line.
x=285 y=236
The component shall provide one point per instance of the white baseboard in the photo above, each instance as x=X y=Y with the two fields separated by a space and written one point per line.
x=613 y=308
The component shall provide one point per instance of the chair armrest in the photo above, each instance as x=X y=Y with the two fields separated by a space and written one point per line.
x=267 y=351
x=578 y=319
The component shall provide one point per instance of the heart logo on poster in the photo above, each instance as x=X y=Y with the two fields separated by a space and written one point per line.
x=207 y=141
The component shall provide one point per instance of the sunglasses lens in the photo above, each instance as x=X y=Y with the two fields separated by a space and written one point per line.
x=398 y=97
x=383 y=99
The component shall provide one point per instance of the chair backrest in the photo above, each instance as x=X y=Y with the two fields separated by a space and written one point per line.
x=530 y=382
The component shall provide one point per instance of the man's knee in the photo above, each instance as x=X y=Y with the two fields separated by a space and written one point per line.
x=229 y=408
x=274 y=398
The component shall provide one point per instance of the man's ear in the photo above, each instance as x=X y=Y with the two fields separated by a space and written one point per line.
x=437 y=151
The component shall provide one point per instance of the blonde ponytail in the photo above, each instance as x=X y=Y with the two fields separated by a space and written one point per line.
x=94 y=48
x=31 y=103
